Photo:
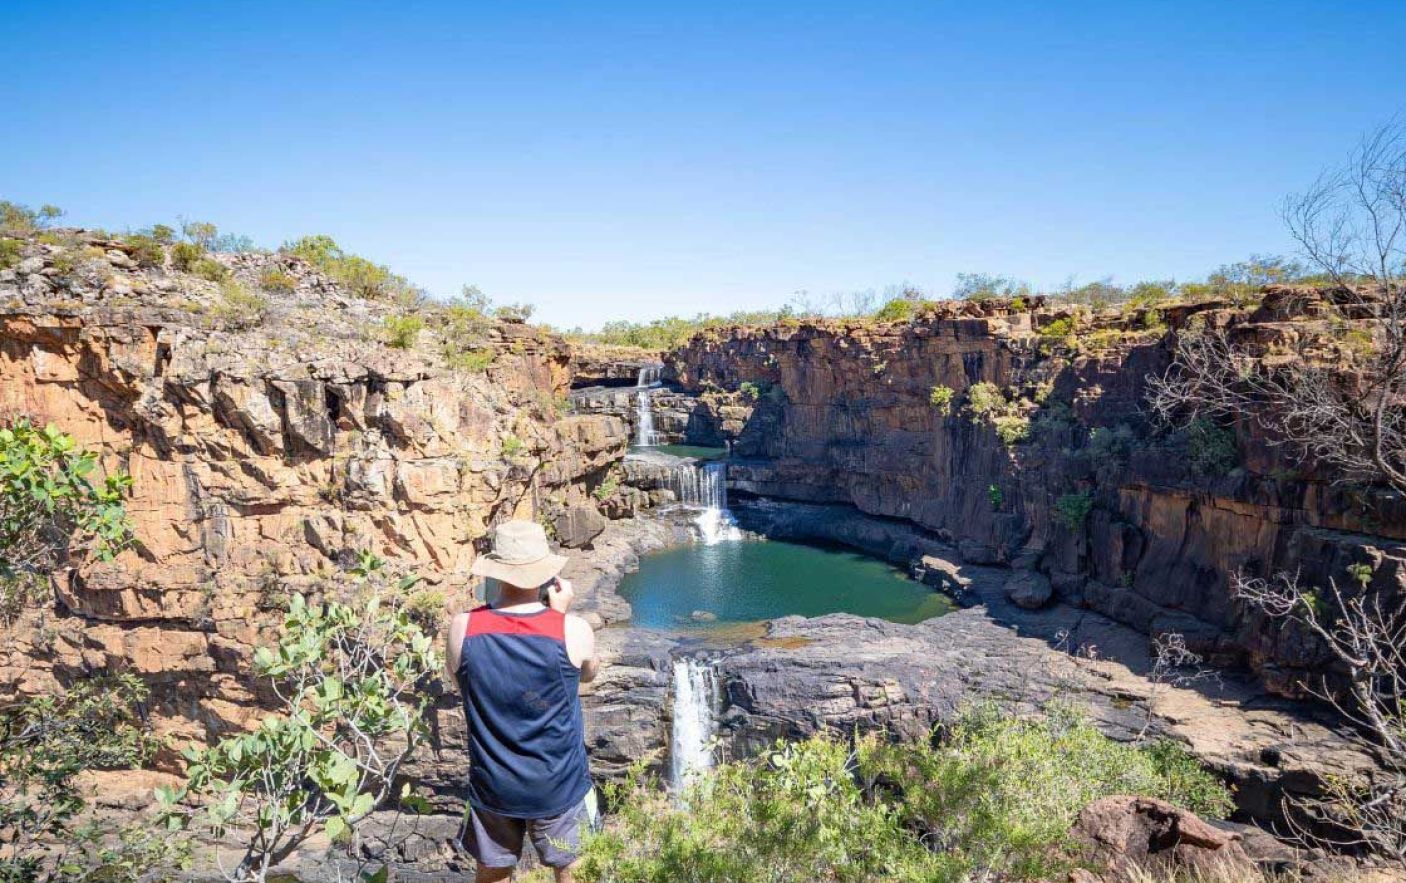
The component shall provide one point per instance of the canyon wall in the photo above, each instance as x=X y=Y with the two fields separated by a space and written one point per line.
x=842 y=412
x=271 y=435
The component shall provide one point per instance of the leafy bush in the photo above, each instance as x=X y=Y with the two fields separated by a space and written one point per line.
x=352 y=676
x=146 y=251
x=239 y=308
x=45 y=744
x=52 y=507
x=1057 y=329
x=1210 y=449
x=362 y=277
x=994 y=801
x=985 y=399
x=1072 y=510
x=940 y=397
x=997 y=498
x=402 y=331
x=750 y=390
x=184 y=255
x=276 y=280
x=21 y=220
x=10 y=253
x=983 y=286
x=512 y=446
x=1107 y=444
x=607 y=488
x=899 y=309
x=1012 y=429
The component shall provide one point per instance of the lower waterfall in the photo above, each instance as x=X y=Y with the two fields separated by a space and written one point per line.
x=696 y=700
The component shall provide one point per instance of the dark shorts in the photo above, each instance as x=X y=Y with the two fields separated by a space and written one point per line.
x=496 y=841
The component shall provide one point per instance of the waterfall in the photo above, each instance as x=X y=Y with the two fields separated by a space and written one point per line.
x=696 y=699
x=649 y=375
x=645 y=436
x=703 y=486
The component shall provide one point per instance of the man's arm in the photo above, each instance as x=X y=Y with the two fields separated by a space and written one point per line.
x=453 y=645
x=581 y=647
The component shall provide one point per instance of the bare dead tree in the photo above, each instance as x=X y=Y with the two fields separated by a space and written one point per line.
x=1174 y=665
x=1351 y=225
x=1365 y=633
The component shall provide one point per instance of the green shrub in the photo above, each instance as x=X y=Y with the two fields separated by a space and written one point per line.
x=352 y=675
x=1072 y=510
x=46 y=744
x=897 y=310
x=607 y=488
x=238 y=307
x=985 y=399
x=1012 y=428
x=1107 y=444
x=52 y=507
x=512 y=447
x=145 y=250
x=994 y=801
x=276 y=280
x=402 y=331
x=1210 y=449
x=940 y=397
x=1058 y=329
x=984 y=286
x=358 y=275
x=997 y=498
x=21 y=220
x=184 y=255
x=210 y=269
x=749 y=389
x=10 y=250
x=473 y=361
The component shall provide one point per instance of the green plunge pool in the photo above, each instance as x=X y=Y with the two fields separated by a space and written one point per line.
x=706 y=586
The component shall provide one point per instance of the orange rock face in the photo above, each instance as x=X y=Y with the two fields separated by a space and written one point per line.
x=263 y=458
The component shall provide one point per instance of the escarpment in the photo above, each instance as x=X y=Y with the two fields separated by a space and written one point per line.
x=1021 y=436
x=273 y=429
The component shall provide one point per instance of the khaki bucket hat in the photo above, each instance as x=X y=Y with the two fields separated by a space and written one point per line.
x=520 y=557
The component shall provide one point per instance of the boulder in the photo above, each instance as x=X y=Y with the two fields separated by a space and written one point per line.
x=1029 y=589
x=973 y=552
x=578 y=525
x=1124 y=835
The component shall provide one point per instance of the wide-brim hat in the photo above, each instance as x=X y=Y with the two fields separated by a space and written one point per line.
x=520 y=557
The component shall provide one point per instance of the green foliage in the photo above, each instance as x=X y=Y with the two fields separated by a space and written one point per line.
x=162 y=234
x=402 y=331
x=1057 y=329
x=353 y=677
x=751 y=390
x=146 y=251
x=1012 y=428
x=21 y=220
x=45 y=743
x=1072 y=510
x=985 y=399
x=276 y=280
x=940 y=397
x=997 y=498
x=1110 y=445
x=607 y=488
x=900 y=309
x=994 y=801
x=10 y=250
x=1361 y=573
x=360 y=276
x=984 y=286
x=239 y=308
x=201 y=233
x=52 y=507
x=667 y=333
x=1210 y=449
x=184 y=255
x=512 y=447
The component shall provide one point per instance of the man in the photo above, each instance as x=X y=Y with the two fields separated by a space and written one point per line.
x=518 y=664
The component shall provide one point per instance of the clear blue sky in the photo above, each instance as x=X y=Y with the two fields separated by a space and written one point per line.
x=608 y=160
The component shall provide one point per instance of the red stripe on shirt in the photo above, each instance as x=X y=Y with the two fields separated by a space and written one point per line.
x=486 y=621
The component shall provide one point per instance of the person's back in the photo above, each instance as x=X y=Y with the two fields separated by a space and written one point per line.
x=518 y=666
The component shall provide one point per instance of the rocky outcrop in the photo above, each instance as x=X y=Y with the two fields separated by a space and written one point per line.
x=1120 y=517
x=270 y=436
x=1125 y=835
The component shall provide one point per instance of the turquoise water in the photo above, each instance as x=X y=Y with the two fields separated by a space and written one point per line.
x=698 y=452
x=751 y=580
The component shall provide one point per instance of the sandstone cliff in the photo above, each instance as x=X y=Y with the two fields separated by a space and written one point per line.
x=1119 y=517
x=271 y=433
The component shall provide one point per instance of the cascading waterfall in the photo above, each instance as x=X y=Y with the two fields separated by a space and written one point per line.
x=645 y=436
x=649 y=375
x=696 y=700
x=704 y=486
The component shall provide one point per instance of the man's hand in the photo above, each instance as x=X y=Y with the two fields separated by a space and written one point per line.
x=561 y=595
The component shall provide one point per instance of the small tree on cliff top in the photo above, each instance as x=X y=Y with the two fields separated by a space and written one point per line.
x=1351 y=225
x=352 y=677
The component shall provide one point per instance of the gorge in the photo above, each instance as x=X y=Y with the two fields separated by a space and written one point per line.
x=1024 y=538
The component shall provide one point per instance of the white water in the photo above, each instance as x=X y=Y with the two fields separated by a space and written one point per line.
x=696 y=699
x=704 y=486
x=649 y=375
x=645 y=436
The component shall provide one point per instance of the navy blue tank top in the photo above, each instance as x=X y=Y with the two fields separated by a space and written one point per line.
x=527 y=741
